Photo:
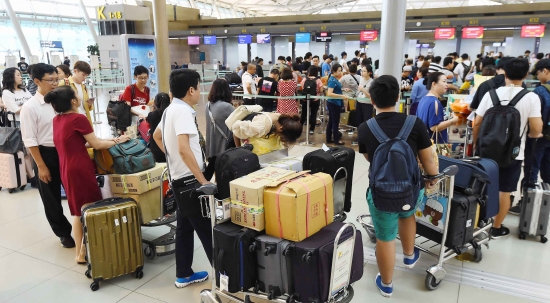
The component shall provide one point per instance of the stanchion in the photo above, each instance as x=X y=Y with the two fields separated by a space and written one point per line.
x=323 y=105
x=307 y=142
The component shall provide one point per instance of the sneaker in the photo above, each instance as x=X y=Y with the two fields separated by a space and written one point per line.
x=197 y=277
x=496 y=233
x=311 y=132
x=515 y=210
x=354 y=143
x=384 y=290
x=410 y=263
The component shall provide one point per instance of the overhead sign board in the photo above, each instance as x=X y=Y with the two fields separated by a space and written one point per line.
x=245 y=39
x=323 y=37
x=368 y=36
x=51 y=44
x=445 y=33
x=472 y=32
x=533 y=31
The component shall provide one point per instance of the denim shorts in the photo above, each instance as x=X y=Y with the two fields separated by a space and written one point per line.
x=386 y=223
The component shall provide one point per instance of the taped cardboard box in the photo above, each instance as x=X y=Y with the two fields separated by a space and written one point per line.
x=149 y=204
x=298 y=206
x=249 y=190
x=289 y=163
x=137 y=183
x=248 y=216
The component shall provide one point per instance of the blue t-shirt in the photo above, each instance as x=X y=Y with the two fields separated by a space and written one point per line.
x=544 y=96
x=337 y=86
x=325 y=69
x=419 y=91
x=426 y=112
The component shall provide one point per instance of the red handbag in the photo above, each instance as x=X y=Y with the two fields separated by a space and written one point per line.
x=144 y=129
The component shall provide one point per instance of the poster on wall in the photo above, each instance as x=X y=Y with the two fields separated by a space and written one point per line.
x=533 y=31
x=140 y=50
x=368 y=36
x=472 y=32
x=445 y=33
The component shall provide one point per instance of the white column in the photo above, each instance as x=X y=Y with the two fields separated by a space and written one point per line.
x=392 y=36
x=87 y=19
x=17 y=27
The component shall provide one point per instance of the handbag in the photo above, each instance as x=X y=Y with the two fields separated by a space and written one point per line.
x=103 y=161
x=120 y=114
x=144 y=129
x=131 y=157
x=443 y=149
x=11 y=140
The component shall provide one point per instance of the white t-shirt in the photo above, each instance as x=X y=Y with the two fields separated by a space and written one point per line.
x=14 y=101
x=459 y=70
x=366 y=85
x=247 y=78
x=81 y=96
x=344 y=65
x=180 y=119
x=528 y=107
x=419 y=64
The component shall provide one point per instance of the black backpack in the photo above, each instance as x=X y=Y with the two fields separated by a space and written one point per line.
x=310 y=87
x=466 y=71
x=500 y=137
x=233 y=78
x=232 y=164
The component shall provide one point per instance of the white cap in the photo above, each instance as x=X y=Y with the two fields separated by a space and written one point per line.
x=407 y=68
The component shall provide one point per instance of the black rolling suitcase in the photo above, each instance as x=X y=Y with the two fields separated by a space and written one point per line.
x=232 y=164
x=233 y=258
x=312 y=263
x=331 y=162
x=274 y=266
x=464 y=210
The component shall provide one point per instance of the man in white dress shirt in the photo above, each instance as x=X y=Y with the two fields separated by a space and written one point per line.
x=37 y=130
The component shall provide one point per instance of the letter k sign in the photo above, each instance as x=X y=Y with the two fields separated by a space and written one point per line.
x=100 y=14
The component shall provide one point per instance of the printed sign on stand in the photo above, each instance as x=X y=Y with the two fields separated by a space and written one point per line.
x=343 y=259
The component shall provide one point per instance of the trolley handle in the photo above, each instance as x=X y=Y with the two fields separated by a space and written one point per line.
x=449 y=171
x=208 y=189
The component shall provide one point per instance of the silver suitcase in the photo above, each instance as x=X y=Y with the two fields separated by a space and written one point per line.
x=535 y=211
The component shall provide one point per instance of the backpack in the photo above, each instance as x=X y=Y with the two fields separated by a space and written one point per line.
x=310 y=87
x=546 y=120
x=232 y=164
x=131 y=157
x=499 y=136
x=233 y=78
x=466 y=71
x=394 y=176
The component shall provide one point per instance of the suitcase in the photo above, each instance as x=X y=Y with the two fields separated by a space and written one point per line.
x=232 y=164
x=331 y=162
x=112 y=235
x=312 y=263
x=535 y=211
x=464 y=211
x=477 y=176
x=233 y=258
x=274 y=266
x=12 y=171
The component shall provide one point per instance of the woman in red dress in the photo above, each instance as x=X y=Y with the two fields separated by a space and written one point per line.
x=71 y=131
x=287 y=88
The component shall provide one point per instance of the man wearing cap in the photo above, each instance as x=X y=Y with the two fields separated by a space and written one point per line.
x=406 y=82
x=325 y=68
x=343 y=62
x=23 y=66
x=541 y=162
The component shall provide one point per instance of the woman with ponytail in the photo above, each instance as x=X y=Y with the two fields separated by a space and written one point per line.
x=419 y=89
x=430 y=109
x=72 y=133
x=162 y=101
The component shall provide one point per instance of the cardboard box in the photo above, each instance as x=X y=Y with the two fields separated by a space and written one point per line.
x=248 y=216
x=249 y=190
x=299 y=208
x=137 y=183
x=289 y=163
x=149 y=204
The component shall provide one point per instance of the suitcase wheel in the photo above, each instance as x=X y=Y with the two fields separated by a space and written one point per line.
x=87 y=273
x=139 y=274
x=150 y=252
x=522 y=236
x=94 y=286
x=543 y=239
x=478 y=255
x=431 y=283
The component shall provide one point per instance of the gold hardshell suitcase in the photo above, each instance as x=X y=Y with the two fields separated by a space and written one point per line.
x=112 y=235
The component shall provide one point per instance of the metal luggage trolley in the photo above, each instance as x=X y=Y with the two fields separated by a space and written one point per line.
x=338 y=292
x=436 y=273
x=166 y=244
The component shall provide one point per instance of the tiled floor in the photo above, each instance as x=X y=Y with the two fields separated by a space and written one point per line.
x=35 y=268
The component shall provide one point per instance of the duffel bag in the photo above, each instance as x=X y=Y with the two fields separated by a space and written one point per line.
x=10 y=139
x=131 y=157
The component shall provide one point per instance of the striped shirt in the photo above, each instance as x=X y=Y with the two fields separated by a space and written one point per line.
x=434 y=67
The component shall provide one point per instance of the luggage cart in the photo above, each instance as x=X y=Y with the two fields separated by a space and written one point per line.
x=166 y=244
x=341 y=293
x=436 y=273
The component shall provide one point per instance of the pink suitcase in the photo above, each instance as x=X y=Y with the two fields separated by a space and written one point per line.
x=12 y=171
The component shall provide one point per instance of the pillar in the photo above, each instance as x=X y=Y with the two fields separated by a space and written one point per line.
x=18 y=30
x=161 y=33
x=87 y=19
x=393 y=31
